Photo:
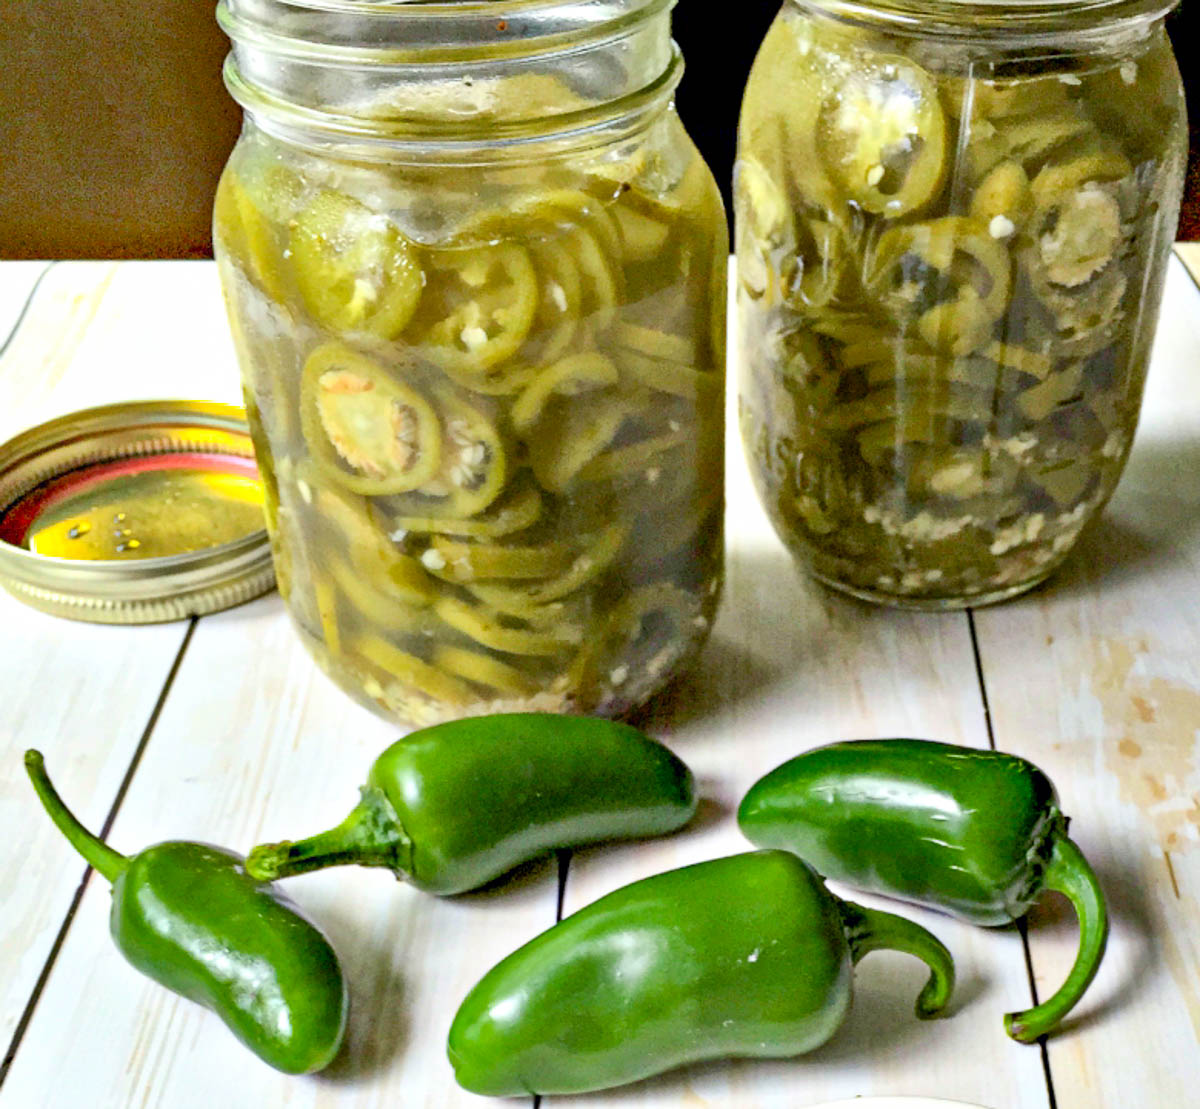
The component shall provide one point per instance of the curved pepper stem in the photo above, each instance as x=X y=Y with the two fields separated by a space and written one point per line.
x=873 y=930
x=371 y=835
x=99 y=856
x=1068 y=872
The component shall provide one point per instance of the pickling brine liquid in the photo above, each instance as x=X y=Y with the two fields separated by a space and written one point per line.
x=951 y=252
x=488 y=409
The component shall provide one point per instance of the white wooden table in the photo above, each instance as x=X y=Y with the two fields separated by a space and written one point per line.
x=222 y=729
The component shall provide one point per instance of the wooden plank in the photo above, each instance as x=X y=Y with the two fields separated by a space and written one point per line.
x=101 y=332
x=17 y=283
x=83 y=694
x=254 y=742
x=790 y=666
x=80 y=692
x=1096 y=677
x=1189 y=254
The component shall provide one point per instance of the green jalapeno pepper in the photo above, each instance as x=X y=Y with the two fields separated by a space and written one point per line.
x=947 y=275
x=517 y=512
x=451 y=807
x=355 y=269
x=481 y=304
x=744 y=956
x=975 y=833
x=368 y=430
x=474 y=465
x=246 y=216
x=646 y=633
x=883 y=135
x=188 y=916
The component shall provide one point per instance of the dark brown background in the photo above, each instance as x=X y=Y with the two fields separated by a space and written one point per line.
x=114 y=124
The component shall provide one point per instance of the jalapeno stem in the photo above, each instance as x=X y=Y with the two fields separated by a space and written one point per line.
x=371 y=835
x=870 y=930
x=100 y=857
x=1068 y=872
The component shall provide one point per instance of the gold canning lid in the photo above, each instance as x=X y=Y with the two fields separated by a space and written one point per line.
x=134 y=513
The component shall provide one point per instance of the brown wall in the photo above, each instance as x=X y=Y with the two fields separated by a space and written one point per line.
x=114 y=125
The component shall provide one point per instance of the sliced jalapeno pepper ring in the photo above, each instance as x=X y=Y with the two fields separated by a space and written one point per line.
x=489 y=629
x=574 y=374
x=412 y=672
x=478 y=307
x=459 y=561
x=474 y=463
x=484 y=670
x=599 y=553
x=601 y=278
x=247 y=213
x=355 y=270
x=1031 y=139
x=645 y=228
x=882 y=135
x=1003 y=201
x=376 y=607
x=577 y=434
x=792 y=72
x=947 y=276
x=517 y=512
x=367 y=430
x=560 y=303
x=1077 y=227
x=571 y=208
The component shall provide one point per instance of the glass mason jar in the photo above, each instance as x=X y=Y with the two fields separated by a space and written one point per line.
x=475 y=272
x=953 y=222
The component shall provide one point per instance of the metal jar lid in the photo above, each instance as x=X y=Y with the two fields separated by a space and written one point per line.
x=58 y=478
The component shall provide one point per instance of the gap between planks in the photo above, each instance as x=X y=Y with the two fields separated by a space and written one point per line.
x=987 y=720
x=24 y=309
x=31 y=1005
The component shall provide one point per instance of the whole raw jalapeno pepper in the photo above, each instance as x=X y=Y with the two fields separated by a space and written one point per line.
x=188 y=916
x=975 y=833
x=744 y=956
x=451 y=807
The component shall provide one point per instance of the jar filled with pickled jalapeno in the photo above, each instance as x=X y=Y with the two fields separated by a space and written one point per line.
x=475 y=273
x=953 y=222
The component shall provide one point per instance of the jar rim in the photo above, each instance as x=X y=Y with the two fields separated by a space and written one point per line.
x=988 y=18
x=387 y=32
x=455 y=139
x=283 y=49
x=455 y=8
